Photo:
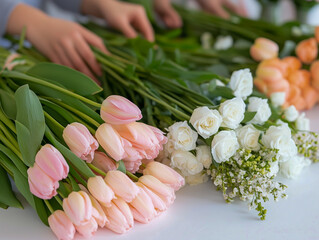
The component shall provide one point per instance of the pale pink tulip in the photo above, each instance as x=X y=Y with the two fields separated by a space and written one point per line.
x=100 y=190
x=80 y=141
x=264 y=48
x=119 y=110
x=51 y=161
x=132 y=166
x=111 y=141
x=103 y=162
x=78 y=207
x=61 y=225
x=120 y=216
x=122 y=185
x=142 y=207
x=165 y=174
x=41 y=185
x=88 y=228
x=166 y=193
x=160 y=136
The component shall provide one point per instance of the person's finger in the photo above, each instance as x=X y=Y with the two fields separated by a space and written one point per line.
x=242 y=8
x=87 y=55
x=61 y=57
x=142 y=24
x=94 y=40
x=234 y=8
x=217 y=9
x=168 y=14
x=125 y=27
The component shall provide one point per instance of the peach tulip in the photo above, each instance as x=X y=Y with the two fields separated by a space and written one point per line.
x=100 y=190
x=261 y=85
x=300 y=78
x=276 y=63
x=165 y=174
x=280 y=86
x=299 y=103
x=80 y=141
x=307 y=50
x=122 y=185
x=88 y=228
x=293 y=63
x=103 y=162
x=264 y=48
x=78 y=207
x=61 y=225
x=41 y=185
x=119 y=110
x=314 y=70
x=269 y=74
x=317 y=34
x=310 y=95
x=133 y=166
x=51 y=162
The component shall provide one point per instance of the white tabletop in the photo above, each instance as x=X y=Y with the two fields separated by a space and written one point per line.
x=200 y=212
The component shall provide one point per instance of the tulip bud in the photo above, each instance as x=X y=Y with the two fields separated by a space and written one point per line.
x=269 y=74
x=261 y=85
x=293 y=64
x=88 y=228
x=280 y=86
x=51 y=162
x=314 y=69
x=111 y=141
x=119 y=110
x=132 y=166
x=61 y=225
x=41 y=185
x=122 y=185
x=264 y=48
x=310 y=95
x=80 y=141
x=78 y=207
x=317 y=34
x=165 y=174
x=276 y=63
x=300 y=78
x=307 y=50
x=100 y=190
x=103 y=162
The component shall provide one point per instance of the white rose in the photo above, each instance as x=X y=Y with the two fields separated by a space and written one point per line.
x=274 y=169
x=181 y=136
x=241 y=82
x=278 y=98
x=206 y=121
x=303 y=123
x=196 y=179
x=219 y=83
x=224 y=146
x=232 y=112
x=262 y=109
x=223 y=42
x=279 y=137
x=248 y=137
x=292 y=168
x=204 y=155
x=186 y=162
x=291 y=113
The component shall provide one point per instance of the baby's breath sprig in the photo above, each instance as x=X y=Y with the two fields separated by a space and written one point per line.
x=308 y=145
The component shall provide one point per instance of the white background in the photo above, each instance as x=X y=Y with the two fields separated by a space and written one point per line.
x=200 y=212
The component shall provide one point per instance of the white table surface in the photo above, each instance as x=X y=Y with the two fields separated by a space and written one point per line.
x=200 y=212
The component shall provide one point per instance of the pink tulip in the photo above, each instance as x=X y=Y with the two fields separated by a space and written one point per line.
x=41 y=185
x=100 y=190
x=119 y=110
x=111 y=141
x=88 y=228
x=119 y=215
x=80 y=141
x=61 y=225
x=51 y=161
x=156 y=186
x=264 y=48
x=103 y=162
x=78 y=207
x=122 y=185
x=165 y=174
x=132 y=166
x=142 y=207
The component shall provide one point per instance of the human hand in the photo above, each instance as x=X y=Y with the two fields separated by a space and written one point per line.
x=167 y=13
x=217 y=7
x=126 y=17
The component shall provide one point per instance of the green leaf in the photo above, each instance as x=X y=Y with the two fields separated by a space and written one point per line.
x=223 y=92
x=248 y=116
x=74 y=185
x=42 y=210
x=8 y=104
x=7 y=196
x=121 y=166
x=4 y=206
x=67 y=77
x=30 y=123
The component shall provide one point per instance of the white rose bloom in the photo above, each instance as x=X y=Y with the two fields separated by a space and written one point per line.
x=274 y=168
x=278 y=98
x=291 y=113
x=204 y=155
x=223 y=42
x=292 y=168
x=303 y=123
x=232 y=112
x=219 y=83
x=224 y=146
x=241 y=82
x=196 y=179
x=262 y=109
x=248 y=137
x=206 y=121
x=186 y=162
x=181 y=136
x=279 y=137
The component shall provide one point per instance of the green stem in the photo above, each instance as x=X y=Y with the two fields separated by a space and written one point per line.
x=9 y=135
x=178 y=103
x=55 y=122
x=132 y=176
x=49 y=206
x=9 y=145
x=95 y=169
x=60 y=193
x=7 y=122
x=57 y=198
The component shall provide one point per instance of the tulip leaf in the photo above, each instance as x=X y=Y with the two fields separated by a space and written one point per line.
x=223 y=92
x=248 y=116
x=121 y=166
x=4 y=206
x=8 y=104
x=65 y=76
x=42 y=210
x=30 y=123
x=7 y=196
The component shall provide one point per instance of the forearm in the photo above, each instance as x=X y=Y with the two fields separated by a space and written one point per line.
x=6 y=8
x=70 y=5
